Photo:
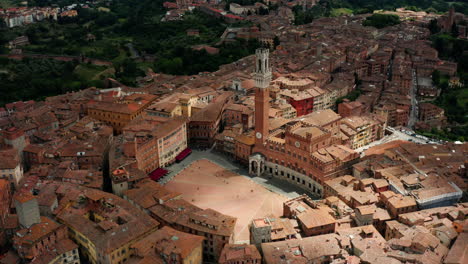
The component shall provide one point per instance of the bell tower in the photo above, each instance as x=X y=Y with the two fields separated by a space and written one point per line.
x=262 y=73
x=262 y=77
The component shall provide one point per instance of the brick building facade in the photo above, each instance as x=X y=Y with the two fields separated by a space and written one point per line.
x=303 y=152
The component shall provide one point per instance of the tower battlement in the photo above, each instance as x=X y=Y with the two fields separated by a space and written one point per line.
x=262 y=53
x=262 y=74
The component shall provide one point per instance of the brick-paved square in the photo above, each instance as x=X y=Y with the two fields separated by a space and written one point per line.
x=208 y=185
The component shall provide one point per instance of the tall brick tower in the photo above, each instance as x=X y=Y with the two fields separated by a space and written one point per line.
x=450 y=19
x=262 y=78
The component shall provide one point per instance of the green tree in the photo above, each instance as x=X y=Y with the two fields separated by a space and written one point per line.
x=436 y=77
x=454 y=30
x=381 y=20
x=276 y=41
x=434 y=27
x=106 y=19
x=263 y=11
x=129 y=67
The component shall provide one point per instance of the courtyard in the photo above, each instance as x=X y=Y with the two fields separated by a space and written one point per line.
x=209 y=185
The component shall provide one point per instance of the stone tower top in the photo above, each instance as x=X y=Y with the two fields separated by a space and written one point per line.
x=27 y=209
x=262 y=74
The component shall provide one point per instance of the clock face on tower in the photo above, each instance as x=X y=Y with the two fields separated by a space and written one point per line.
x=258 y=135
x=297 y=144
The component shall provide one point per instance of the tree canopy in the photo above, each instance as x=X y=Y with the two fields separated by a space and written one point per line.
x=381 y=20
x=38 y=78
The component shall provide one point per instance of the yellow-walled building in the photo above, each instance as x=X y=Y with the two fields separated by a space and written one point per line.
x=118 y=114
x=103 y=225
x=170 y=246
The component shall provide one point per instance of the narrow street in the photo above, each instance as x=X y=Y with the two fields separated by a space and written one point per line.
x=413 y=117
x=414 y=102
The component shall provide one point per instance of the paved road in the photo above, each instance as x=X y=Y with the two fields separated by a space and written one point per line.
x=133 y=51
x=396 y=134
x=410 y=135
x=274 y=185
x=414 y=101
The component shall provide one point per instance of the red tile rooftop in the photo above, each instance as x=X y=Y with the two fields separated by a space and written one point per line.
x=234 y=16
x=61 y=247
x=133 y=222
x=35 y=232
x=11 y=222
x=117 y=107
x=23 y=196
x=239 y=253
x=316 y=218
x=167 y=241
x=261 y=222
x=148 y=193
x=306 y=250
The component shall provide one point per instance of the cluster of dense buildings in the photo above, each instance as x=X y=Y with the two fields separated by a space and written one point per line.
x=177 y=9
x=453 y=20
x=20 y=16
x=235 y=12
x=78 y=170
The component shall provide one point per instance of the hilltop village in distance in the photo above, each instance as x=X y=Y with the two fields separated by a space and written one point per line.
x=321 y=147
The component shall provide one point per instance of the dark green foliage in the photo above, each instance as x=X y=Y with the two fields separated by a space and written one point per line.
x=450 y=134
x=137 y=23
x=322 y=9
x=172 y=47
x=452 y=48
x=352 y=96
x=454 y=30
x=188 y=61
x=370 y=5
x=39 y=78
x=413 y=8
x=276 y=41
x=263 y=11
x=455 y=104
x=242 y=2
x=272 y=7
x=453 y=100
x=436 y=77
x=325 y=7
x=417 y=5
x=381 y=20
x=126 y=71
x=434 y=27
x=162 y=37
x=140 y=23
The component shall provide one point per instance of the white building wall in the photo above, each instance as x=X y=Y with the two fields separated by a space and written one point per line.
x=14 y=175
